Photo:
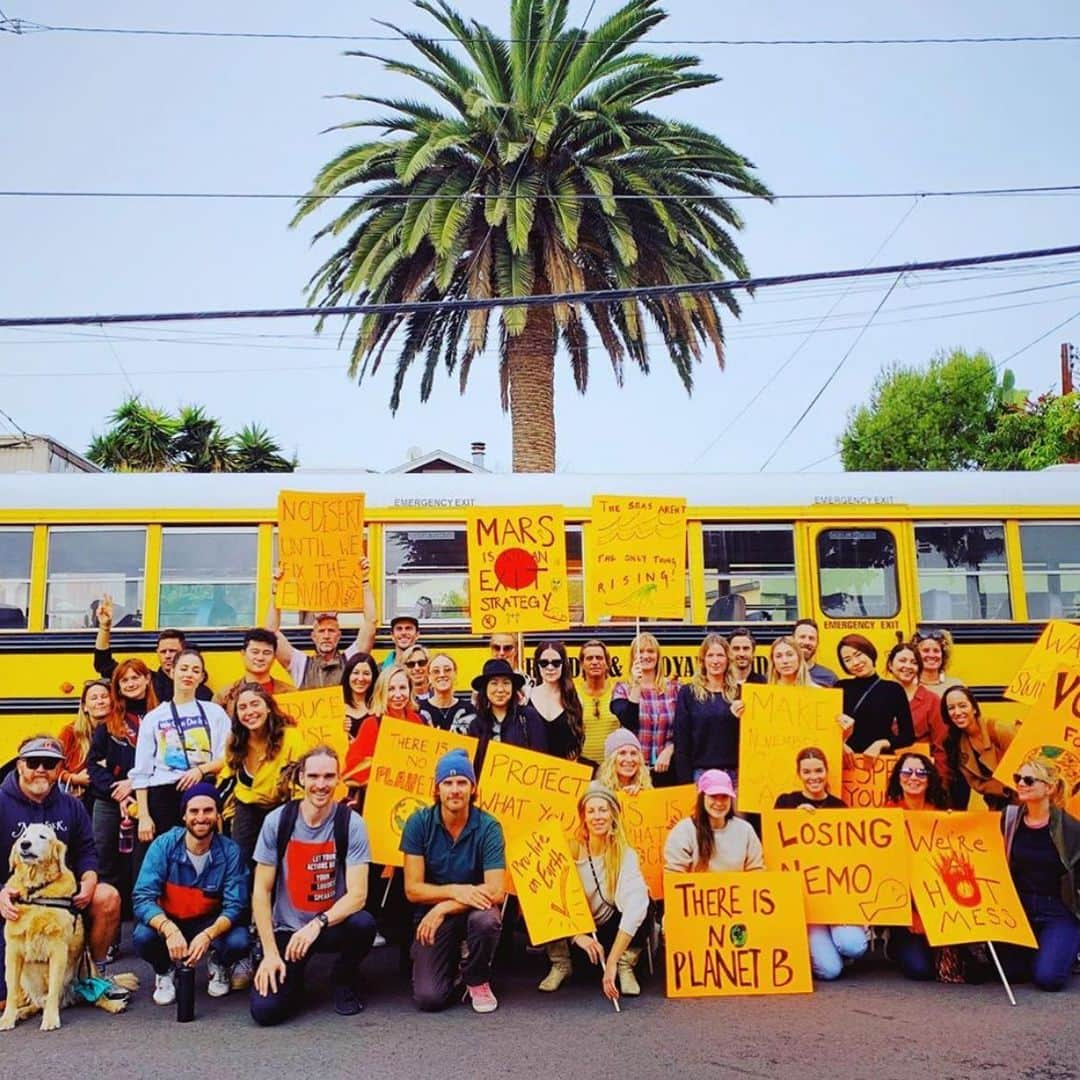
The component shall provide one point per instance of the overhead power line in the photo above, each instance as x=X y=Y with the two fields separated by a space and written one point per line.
x=944 y=193
x=28 y=26
x=595 y=296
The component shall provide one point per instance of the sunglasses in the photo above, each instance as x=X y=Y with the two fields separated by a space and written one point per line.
x=46 y=763
x=921 y=774
x=416 y=663
x=549 y=663
x=503 y=650
x=1026 y=780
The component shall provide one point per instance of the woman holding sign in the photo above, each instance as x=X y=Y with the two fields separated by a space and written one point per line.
x=876 y=716
x=831 y=947
x=646 y=706
x=974 y=748
x=556 y=699
x=617 y=895
x=1042 y=843
x=787 y=666
x=391 y=696
x=713 y=838
x=707 y=711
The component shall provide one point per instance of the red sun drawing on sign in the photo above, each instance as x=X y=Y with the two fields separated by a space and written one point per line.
x=516 y=568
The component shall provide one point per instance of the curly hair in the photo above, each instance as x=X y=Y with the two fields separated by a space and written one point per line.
x=935 y=789
x=236 y=747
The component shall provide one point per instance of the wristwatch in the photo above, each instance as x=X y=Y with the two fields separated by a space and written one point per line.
x=322 y=920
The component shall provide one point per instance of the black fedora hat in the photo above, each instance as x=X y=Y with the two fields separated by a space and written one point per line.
x=494 y=669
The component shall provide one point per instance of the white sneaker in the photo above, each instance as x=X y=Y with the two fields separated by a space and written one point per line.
x=164 y=989
x=218 y=986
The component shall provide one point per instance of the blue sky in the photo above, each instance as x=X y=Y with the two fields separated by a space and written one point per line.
x=135 y=113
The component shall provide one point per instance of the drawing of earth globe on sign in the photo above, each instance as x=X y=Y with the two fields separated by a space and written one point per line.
x=403 y=810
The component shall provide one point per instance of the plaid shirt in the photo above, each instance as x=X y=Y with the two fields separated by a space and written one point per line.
x=656 y=716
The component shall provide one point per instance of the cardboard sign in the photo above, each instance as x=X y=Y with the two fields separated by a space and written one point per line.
x=647 y=818
x=320 y=542
x=517 y=569
x=960 y=879
x=729 y=935
x=866 y=780
x=637 y=557
x=403 y=780
x=779 y=721
x=1051 y=730
x=523 y=788
x=854 y=863
x=319 y=716
x=1058 y=647
x=548 y=885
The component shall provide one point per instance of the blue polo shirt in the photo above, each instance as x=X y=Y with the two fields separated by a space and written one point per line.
x=454 y=862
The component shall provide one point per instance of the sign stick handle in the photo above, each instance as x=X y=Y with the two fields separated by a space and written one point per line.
x=386 y=891
x=614 y=1001
x=1001 y=972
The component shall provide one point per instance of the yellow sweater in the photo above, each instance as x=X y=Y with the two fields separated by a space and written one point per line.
x=263 y=789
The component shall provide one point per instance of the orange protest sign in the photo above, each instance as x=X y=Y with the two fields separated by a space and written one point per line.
x=517 y=569
x=1051 y=730
x=548 y=886
x=960 y=879
x=320 y=542
x=735 y=934
x=868 y=777
x=637 y=557
x=779 y=721
x=647 y=818
x=1058 y=647
x=403 y=780
x=853 y=863
x=522 y=788
x=320 y=720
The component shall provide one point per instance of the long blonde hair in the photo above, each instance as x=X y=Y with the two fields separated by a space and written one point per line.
x=699 y=686
x=615 y=846
x=802 y=676
x=608 y=776
x=82 y=727
x=647 y=639
x=382 y=687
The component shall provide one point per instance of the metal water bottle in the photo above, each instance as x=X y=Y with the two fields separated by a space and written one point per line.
x=185 y=994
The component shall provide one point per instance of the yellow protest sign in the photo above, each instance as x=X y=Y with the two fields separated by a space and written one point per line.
x=867 y=777
x=548 y=886
x=523 y=788
x=960 y=879
x=320 y=720
x=517 y=569
x=320 y=542
x=854 y=863
x=735 y=934
x=647 y=818
x=403 y=780
x=1058 y=647
x=637 y=557
x=779 y=721
x=1051 y=730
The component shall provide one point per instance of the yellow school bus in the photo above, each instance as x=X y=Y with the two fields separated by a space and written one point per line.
x=988 y=556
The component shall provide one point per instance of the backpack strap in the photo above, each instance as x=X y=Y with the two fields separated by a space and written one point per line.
x=286 y=825
x=342 y=820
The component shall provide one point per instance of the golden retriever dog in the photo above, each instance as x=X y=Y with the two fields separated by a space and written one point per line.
x=46 y=944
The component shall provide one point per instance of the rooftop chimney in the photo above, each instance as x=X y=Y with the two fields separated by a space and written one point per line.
x=478 y=449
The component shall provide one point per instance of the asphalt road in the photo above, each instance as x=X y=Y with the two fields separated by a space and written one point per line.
x=871 y=1023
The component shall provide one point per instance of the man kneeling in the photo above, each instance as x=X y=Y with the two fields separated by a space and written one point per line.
x=190 y=899
x=454 y=869
x=311 y=872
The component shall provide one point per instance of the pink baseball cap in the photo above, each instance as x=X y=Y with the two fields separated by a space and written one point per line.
x=715 y=782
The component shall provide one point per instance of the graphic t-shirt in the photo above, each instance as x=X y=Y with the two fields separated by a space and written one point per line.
x=308 y=881
x=169 y=745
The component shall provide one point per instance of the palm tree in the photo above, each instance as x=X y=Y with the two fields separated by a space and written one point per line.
x=543 y=175
x=140 y=439
x=200 y=444
x=255 y=450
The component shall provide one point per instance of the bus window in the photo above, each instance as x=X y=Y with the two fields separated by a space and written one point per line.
x=426 y=574
x=207 y=577
x=83 y=564
x=750 y=573
x=15 y=545
x=857 y=573
x=962 y=573
x=1051 y=558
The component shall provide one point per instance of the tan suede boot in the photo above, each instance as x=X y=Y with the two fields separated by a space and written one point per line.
x=559 y=954
x=628 y=983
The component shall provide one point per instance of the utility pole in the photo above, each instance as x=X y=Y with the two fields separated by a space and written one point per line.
x=1069 y=357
